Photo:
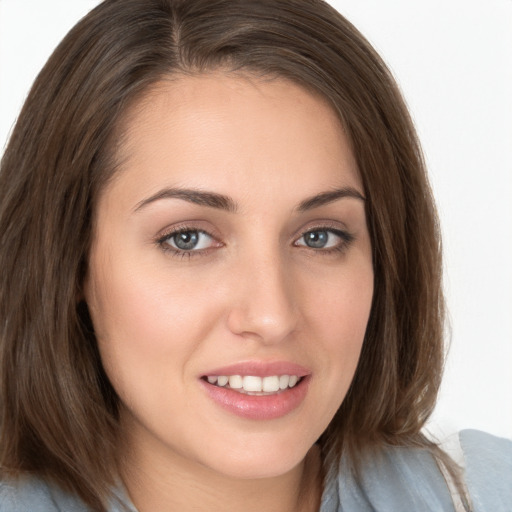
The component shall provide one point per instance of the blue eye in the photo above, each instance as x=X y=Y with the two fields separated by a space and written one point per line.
x=188 y=240
x=317 y=239
x=324 y=239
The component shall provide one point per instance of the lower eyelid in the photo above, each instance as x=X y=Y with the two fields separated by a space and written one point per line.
x=345 y=239
x=164 y=240
x=344 y=236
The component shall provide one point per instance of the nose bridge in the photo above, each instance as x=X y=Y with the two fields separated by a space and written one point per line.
x=265 y=305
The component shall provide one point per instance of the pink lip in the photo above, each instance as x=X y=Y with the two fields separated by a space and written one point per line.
x=261 y=369
x=257 y=407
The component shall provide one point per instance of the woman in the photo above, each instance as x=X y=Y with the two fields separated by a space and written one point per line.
x=221 y=278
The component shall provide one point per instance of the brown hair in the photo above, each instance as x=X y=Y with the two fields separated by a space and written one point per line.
x=58 y=409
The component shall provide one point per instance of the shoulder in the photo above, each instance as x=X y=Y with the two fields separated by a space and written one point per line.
x=396 y=479
x=403 y=479
x=31 y=493
x=488 y=470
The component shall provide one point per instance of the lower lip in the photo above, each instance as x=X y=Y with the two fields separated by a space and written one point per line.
x=257 y=407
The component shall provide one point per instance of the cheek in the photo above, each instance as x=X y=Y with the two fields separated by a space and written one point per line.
x=143 y=321
x=340 y=316
x=341 y=306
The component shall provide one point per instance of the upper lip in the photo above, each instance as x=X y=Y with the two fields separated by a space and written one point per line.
x=260 y=369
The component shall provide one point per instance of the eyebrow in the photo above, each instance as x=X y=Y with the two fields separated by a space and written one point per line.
x=200 y=197
x=328 y=197
x=222 y=202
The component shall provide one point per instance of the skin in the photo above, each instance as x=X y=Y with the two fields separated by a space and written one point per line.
x=252 y=290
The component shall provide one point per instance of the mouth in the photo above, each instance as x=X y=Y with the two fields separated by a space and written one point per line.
x=254 y=385
x=258 y=390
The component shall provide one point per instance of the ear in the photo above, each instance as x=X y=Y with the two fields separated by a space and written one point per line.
x=85 y=317
x=83 y=282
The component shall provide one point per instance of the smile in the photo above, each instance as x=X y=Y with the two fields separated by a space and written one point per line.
x=258 y=391
x=253 y=385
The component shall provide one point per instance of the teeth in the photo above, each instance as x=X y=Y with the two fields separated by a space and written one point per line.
x=252 y=384
x=270 y=384
x=222 y=380
x=284 y=381
x=235 y=382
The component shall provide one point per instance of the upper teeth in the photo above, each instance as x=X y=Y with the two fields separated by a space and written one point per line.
x=251 y=383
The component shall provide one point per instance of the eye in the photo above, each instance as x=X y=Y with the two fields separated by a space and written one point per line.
x=188 y=240
x=324 y=239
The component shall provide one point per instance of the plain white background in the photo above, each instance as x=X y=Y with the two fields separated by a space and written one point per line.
x=453 y=61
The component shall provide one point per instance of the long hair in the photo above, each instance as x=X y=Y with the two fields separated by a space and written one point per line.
x=58 y=411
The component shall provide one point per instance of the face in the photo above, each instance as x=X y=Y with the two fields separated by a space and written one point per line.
x=230 y=278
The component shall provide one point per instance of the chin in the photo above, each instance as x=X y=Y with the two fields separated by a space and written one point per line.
x=262 y=468
x=258 y=458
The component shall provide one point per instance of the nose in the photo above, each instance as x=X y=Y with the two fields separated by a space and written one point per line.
x=264 y=307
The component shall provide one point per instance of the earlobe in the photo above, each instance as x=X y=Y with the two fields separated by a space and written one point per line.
x=83 y=281
x=79 y=296
x=83 y=290
x=84 y=316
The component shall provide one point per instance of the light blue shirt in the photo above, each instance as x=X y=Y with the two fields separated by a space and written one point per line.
x=401 y=480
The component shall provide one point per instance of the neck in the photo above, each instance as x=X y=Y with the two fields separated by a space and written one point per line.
x=172 y=483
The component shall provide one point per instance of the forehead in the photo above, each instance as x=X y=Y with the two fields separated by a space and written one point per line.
x=210 y=130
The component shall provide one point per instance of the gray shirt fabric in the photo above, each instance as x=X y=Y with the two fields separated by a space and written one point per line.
x=400 y=480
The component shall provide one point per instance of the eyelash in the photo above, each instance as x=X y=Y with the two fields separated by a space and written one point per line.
x=345 y=237
x=181 y=253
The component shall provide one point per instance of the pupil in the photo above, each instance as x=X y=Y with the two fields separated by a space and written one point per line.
x=187 y=240
x=316 y=239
